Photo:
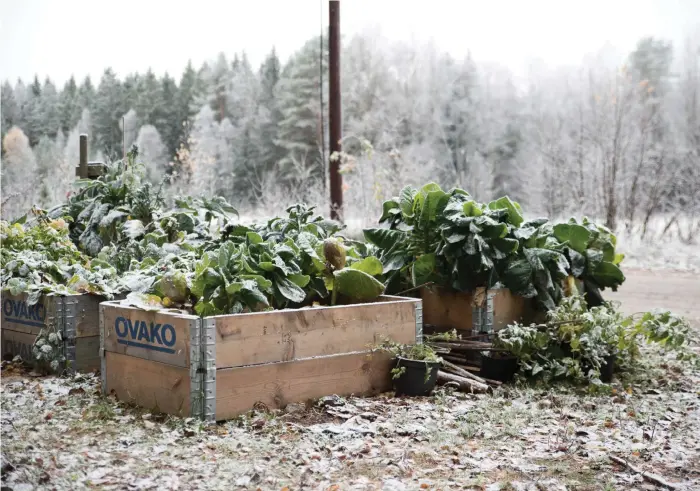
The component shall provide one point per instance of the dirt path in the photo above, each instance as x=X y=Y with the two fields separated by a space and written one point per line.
x=645 y=290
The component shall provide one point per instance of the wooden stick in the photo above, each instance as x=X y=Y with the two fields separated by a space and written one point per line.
x=652 y=478
x=465 y=384
x=463 y=373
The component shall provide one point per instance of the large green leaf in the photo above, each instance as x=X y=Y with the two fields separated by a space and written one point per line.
x=423 y=269
x=515 y=216
x=576 y=235
x=288 y=289
x=370 y=265
x=390 y=208
x=434 y=204
x=608 y=275
x=406 y=200
x=472 y=209
x=384 y=238
x=357 y=284
x=578 y=263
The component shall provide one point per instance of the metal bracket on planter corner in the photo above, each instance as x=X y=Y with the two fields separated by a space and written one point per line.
x=69 y=330
x=208 y=365
x=419 y=322
x=196 y=391
x=488 y=313
x=482 y=312
x=103 y=358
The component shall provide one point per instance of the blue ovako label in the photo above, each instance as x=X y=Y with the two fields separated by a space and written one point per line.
x=140 y=334
x=19 y=312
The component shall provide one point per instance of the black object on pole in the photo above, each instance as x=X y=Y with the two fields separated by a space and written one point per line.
x=334 y=114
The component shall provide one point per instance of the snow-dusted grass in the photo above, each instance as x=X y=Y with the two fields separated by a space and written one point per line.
x=61 y=434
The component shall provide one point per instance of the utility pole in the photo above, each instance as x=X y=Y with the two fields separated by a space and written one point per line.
x=334 y=115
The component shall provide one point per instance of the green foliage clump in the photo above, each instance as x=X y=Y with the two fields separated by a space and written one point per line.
x=577 y=341
x=447 y=238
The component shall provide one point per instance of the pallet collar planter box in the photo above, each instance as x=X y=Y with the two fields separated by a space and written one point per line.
x=76 y=317
x=219 y=367
x=474 y=313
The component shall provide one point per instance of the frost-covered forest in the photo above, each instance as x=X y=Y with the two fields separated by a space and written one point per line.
x=617 y=136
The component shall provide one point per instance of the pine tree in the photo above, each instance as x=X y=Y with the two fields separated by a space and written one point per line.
x=18 y=175
x=109 y=108
x=9 y=109
x=268 y=116
x=220 y=76
x=50 y=110
x=152 y=152
x=86 y=96
x=69 y=105
x=185 y=103
x=31 y=109
x=168 y=124
x=129 y=125
x=49 y=158
x=205 y=152
x=149 y=101
x=299 y=132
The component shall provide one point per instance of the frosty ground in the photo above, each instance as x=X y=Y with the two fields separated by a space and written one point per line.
x=62 y=434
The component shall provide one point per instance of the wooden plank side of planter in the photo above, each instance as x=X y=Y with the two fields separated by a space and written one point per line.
x=18 y=316
x=156 y=336
x=509 y=308
x=278 y=384
x=17 y=343
x=148 y=384
x=87 y=354
x=268 y=337
x=447 y=309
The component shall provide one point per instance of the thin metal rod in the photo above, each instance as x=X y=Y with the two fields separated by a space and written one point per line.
x=323 y=122
x=334 y=109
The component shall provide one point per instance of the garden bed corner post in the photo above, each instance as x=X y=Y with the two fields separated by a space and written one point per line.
x=208 y=364
x=419 y=322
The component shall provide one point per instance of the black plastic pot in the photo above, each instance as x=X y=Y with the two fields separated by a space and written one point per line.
x=413 y=381
x=607 y=369
x=502 y=369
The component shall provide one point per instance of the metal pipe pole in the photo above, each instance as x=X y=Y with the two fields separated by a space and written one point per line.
x=334 y=114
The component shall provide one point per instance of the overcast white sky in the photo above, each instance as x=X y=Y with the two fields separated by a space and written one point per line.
x=63 y=37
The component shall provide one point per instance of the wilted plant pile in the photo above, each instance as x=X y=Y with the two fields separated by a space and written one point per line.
x=577 y=342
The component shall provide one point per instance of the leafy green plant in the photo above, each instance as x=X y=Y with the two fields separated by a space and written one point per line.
x=416 y=352
x=300 y=264
x=39 y=258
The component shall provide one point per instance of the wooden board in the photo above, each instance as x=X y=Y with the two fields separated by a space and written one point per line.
x=447 y=309
x=18 y=316
x=87 y=349
x=267 y=337
x=509 y=308
x=87 y=354
x=17 y=343
x=278 y=384
x=156 y=336
x=148 y=384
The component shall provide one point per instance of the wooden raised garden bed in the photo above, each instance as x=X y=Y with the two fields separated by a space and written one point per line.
x=76 y=317
x=218 y=367
x=473 y=313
